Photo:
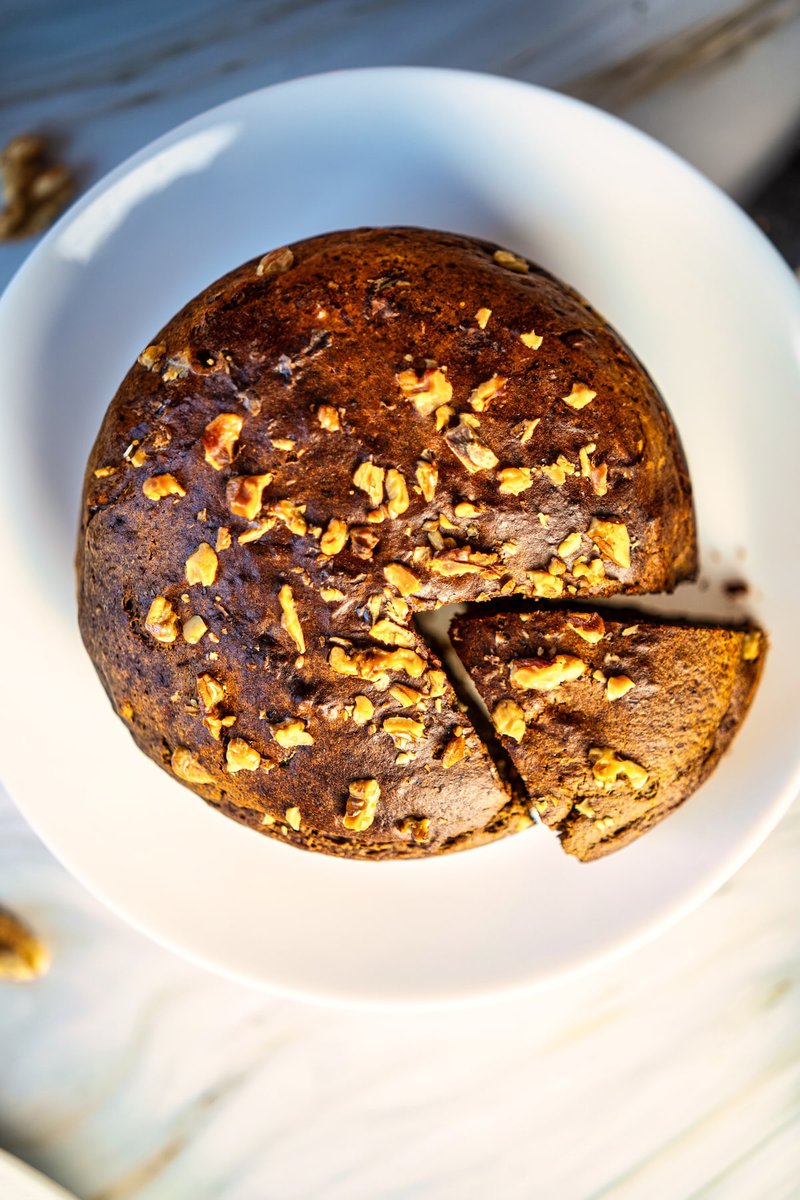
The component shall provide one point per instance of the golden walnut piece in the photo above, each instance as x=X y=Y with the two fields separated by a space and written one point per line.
x=22 y=956
x=362 y=804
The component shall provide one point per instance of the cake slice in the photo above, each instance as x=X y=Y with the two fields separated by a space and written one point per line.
x=611 y=720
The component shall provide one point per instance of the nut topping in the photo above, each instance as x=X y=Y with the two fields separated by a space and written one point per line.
x=152 y=357
x=404 y=580
x=404 y=731
x=427 y=478
x=541 y=675
x=590 y=626
x=292 y=818
x=617 y=686
x=482 y=317
x=612 y=540
x=481 y=395
x=512 y=262
x=292 y=733
x=580 y=396
x=187 y=767
x=469 y=451
x=427 y=392
x=514 y=480
x=363 y=710
x=523 y=430
x=161 y=621
x=373 y=664
x=509 y=719
x=328 y=418
x=201 y=567
x=193 y=630
x=363 y=541
x=334 y=539
x=277 y=262
x=607 y=767
x=159 y=486
x=291 y=515
x=532 y=340
x=362 y=804
x=219 y=439
x=463 y=561
x=396 y=492
x=751 y=645
x=290 y=620
x=454 y=751
x=240 y=756
x=418 y=829
x=369 y=479
x=391 y=634
x=570 y=545
x=592 y=571
x=210 y=691
x=243 y=494
x=544 y=585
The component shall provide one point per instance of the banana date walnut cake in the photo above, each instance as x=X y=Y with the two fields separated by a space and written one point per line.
x=348 y=432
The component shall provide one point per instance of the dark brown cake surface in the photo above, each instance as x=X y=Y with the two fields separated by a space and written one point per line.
x=351 y=429
x=611 y=723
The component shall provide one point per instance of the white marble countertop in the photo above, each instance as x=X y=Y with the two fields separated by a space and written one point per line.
x=128 y=1074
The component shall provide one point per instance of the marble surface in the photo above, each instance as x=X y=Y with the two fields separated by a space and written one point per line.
x=127 y=1074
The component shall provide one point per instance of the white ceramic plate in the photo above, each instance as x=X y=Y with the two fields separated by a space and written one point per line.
x=692 y=285
x=18 y=1181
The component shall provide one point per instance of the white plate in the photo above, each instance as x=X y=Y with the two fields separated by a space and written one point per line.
x=696 y=290
x=18 y=1181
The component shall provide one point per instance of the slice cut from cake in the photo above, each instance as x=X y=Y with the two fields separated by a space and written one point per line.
x=611 y=720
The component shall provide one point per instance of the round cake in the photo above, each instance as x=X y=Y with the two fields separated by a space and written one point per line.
x=337 y=436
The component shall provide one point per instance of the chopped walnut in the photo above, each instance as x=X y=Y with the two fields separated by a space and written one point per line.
x=618 y=686
x=598 y=477
x=284 y=443
x=580 y=396
x=363 y=710
x=210 y=691
x=523 y=430
x=427 y=478
x=585 y=809
x=372 y=665
x=215 y=724
x=159 y=486
x=161 y=621
x=363 y=541
x=362 y=804
x=241 y=756
x=291 y=515
x=405 y=696
x=463 y=561
x=404 y=580
x=593 y=571
x=277 y=262
x=126 y=710
x=607 y=767
x=404 y=731
x=369 y=479
x=444 y=416
x=255 y=532
x=482 y=317
x=751 y=644
x=469 y=451
x=437 y=683
x=512 y=262
x=290 y=620
x=201 y=567
x=570 y=545
x=427 y=392
x=152 y=357
x=328 y=418
x=187 y=767
x=509 y=719
x=193 y=630
x=544 y=585
x=219 y=439
x=292 y=733
x=558 y=471
x=417 y=828
x=23 y=956
x=397 y=493
x=590 y=626
x=532 y=340
x=223 y=541
x=392 y=634
x=480 y=396
x=514 y=480
x=454 y=751
x=612 y=540
x=104 y=472
x=556 y=566
x=243 y=494
x=334 y=539
x=543 y=675
x=331 y=594
x=292 y=818
x=465 y=509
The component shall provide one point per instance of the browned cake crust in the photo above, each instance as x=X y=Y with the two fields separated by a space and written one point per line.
x=328 y=439
x=611 y=723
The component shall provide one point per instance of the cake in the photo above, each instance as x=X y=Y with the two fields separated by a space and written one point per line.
x=335 y=437
x=612 y=720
